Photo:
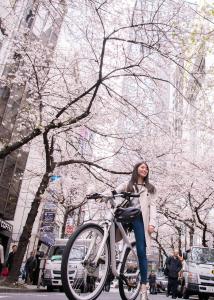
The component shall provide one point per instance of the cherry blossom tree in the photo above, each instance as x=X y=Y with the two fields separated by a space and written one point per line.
x=102 y=103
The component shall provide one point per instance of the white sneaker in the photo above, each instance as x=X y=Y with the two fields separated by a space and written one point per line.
x=144 y=295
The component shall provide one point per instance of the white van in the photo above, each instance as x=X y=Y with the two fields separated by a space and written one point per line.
x=52 y=269
x=198 y=273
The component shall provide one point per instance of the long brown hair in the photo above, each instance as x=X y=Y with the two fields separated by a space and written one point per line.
x=134 y=179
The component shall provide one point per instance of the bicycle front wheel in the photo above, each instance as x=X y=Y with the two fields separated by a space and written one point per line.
x=129 y=281
x=83 y=273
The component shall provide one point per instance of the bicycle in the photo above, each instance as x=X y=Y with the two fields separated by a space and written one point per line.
x=95 y=246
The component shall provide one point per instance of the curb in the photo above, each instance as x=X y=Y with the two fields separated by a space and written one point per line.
x=5 y=290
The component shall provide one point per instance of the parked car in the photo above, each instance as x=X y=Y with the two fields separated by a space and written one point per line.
x=52 y=269
x=161 y=282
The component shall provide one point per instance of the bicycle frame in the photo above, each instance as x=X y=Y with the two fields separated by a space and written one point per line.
x=127 y=244
x=109 y=231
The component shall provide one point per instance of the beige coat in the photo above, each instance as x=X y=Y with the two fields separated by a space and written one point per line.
x=148 y=209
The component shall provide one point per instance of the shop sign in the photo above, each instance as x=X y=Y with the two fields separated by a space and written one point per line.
x=48 y=217
x=47 y=238
x=47 y=228
x=5 y=226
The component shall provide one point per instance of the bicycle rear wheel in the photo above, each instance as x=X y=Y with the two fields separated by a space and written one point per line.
x=129 y=282
x=82 y=277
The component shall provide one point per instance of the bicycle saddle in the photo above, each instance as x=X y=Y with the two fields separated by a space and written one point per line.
x=126 y=215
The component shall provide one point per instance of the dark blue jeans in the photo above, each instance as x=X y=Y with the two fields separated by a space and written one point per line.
x=139 y=231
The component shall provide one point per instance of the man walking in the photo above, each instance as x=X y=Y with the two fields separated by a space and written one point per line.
x=10 y=259
x=30 y=267
x=173 y=265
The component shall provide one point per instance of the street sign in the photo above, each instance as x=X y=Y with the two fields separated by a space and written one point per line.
x=47 y=238
x=47 y=228
x=54 y=178
x=50 y=206
x=69 y=229
x=48 y=217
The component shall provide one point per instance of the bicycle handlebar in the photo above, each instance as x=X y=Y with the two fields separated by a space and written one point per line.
x=94 y=196
x=125 y=195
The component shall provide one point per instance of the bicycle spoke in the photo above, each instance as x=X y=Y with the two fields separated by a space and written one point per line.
x=129 y=283
x=85 y=276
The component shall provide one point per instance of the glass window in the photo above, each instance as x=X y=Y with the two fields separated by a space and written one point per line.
x=16 y=183
x=202 y=255
x=48 y=24
x=8 y=171
x=77 y=253
x=40 y=20
x=56 y=252
x=4 y=96
x=1 y=164
x=3 y=199
x=10 y=207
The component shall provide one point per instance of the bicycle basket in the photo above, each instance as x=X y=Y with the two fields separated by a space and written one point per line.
x=126 y=215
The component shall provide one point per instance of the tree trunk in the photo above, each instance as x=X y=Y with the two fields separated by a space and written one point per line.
x=191 y=234
x=64 y=224
x=160 y=258
x=26 y=233
x=79 y=217
x=179 y=242
x=204 y=241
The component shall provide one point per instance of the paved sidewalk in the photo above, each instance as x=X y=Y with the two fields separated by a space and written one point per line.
x=20 y=288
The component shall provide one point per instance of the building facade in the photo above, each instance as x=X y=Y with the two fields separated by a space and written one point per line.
x=28 y=21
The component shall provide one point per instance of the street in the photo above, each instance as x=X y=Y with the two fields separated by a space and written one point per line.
x=61 y=296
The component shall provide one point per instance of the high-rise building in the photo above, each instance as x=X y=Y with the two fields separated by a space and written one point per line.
x=192 y=103
x=35 y=21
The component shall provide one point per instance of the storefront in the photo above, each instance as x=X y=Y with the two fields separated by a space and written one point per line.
x=5 y=235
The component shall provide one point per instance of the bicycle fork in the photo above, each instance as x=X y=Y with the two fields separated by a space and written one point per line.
x=127 y=244
x=101 y=247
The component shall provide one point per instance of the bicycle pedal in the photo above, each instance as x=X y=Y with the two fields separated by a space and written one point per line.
x=132 y=285
x=129 y=284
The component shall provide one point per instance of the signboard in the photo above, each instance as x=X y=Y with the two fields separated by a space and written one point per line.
x=5 y=226
x=48 y=217
x=47 y=227
x=47 y=238
x=69 y=229
x=54 y=178
x=50 y=206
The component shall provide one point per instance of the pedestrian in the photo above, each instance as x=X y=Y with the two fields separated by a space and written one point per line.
x=144 y=224
x=152 y=283
x=36 y=272
x=30 y=267
x=10 y=258
x=174 y=266
x=1 y=256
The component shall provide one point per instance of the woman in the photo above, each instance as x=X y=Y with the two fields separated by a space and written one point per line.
x=143 y=225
